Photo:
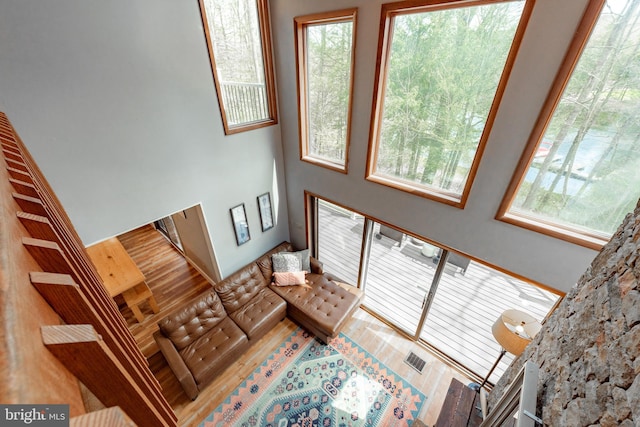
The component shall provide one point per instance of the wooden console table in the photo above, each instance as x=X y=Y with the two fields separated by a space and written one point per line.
x=121 y=275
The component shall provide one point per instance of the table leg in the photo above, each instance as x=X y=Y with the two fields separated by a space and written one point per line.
x=137 y=312
x=154 y=304
x=137 y=295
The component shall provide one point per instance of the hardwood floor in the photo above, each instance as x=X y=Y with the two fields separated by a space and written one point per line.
x=173 y=282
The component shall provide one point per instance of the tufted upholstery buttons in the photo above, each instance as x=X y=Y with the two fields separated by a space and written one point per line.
x=323 y=306
x=207 y=355
x=239 y=288
x=193 y=321
x=257 y=317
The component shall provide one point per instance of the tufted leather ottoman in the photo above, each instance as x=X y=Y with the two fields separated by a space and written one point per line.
x=322 y=306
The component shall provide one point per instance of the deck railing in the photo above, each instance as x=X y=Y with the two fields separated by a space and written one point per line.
x=244 y=102
x=400 y=275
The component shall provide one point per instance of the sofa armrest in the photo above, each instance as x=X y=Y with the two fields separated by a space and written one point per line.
x=177 y=365
x=316 y=266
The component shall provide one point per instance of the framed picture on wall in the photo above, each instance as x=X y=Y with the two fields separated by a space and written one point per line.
x=266 y=213
x=240 y=224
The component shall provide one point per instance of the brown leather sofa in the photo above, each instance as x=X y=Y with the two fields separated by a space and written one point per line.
x=250 y=303
x=323 y=306
x=204 y=337
x=209 y=333
x=199 y=341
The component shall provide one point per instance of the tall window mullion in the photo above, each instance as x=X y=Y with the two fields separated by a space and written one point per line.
x=367 y=239
x=325 y=49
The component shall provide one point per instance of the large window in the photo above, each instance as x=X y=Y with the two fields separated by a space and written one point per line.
x=239 y=42
x=440 y=297
x=441 y=73
x=583 y=174
x=324 y=52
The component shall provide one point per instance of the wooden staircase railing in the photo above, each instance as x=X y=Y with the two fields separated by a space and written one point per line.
x=94 y=344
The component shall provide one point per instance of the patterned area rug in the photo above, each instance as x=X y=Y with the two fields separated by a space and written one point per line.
x=307 y=384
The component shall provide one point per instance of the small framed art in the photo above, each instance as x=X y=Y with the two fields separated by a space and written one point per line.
x=240 y=224
x=266 y=212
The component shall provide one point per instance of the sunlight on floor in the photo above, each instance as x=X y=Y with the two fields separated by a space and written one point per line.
x=350 y=399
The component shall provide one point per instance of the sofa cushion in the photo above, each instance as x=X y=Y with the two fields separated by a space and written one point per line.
x=323 y=305
x=303 y=257
x=237 y=289
x=194 y=320
x=285 y=262
x=260 y=314
x=207 y=356
x=264 y=262
x=290 y=278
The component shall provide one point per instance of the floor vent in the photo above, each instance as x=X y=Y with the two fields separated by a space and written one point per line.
x=415 y=362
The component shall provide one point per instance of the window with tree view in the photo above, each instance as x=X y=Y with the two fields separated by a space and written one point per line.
x=585 y=173
x=439 y=82
x=324 y=49
x=238 y=38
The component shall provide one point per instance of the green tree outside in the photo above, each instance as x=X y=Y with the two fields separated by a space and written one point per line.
x=591 y=177
x=443 y=72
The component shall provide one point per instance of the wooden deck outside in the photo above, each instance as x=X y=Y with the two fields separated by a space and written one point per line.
x=399 y=276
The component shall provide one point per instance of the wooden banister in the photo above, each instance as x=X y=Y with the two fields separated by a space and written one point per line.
x=37 y=224
x=82 y=351
x=19 y=175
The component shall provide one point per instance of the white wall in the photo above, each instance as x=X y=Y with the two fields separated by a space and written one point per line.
x=116 y=102
x=473 y=230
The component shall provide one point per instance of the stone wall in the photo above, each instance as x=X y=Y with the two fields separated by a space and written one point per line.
x=588 y=349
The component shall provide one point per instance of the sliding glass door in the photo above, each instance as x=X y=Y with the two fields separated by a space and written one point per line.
x=438 y=296
x=398 y=275
x=398 y=278
x=467 y=304
x=339 y=240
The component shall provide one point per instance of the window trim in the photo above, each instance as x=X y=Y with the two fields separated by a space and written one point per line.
x=311 y=223
x=575 y=235
x=300 y=25
x=267 y=58
x=310 y=234
x=388 y=13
